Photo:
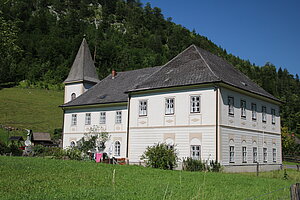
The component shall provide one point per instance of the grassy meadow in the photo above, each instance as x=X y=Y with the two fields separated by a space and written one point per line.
x=42 y=178
x=35 y=109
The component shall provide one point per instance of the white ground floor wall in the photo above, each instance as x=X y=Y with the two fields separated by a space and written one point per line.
x=239 y=138
x=181 y=137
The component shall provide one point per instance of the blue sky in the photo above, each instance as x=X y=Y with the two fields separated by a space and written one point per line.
x=256 y=30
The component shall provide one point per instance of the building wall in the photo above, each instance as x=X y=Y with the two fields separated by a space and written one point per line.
x=70 y=88
x=235 y=130
x=183 y=128
x=116 y=131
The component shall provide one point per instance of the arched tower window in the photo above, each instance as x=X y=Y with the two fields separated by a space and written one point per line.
x=117 y=148
x=73 y=96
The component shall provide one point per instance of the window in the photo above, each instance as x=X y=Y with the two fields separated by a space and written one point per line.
x=143 y=108
x=73 y=96
x=195 y=152
x=102 y=117
x=274 y=154
x=273 y=116
x=170 y=146
x=243 y=109
x=195 y=104
x=170 y=143
x=244 y=152
x=118 y=117
x=265 y=154
x=231 y=154
x=253 y=108
x=230 y=105
x=117 y=148
x=72 y=144
x=74 y=120
x=88 y=119
x=170 y=106
x=264 y=113
x=255 y=154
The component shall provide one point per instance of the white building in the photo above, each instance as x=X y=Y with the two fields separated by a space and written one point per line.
x=197 y=102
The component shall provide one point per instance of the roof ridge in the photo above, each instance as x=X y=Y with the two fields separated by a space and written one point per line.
x=83 y=59
x=163 y=66
x=205 y=62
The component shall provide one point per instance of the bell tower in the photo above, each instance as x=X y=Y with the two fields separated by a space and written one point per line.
x=82 y=75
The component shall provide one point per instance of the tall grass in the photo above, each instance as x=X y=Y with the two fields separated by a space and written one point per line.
x=38 y=178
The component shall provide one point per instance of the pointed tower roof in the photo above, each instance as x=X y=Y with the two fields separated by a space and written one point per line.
x=83 y=68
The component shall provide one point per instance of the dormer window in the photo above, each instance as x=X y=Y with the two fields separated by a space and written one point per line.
x=73 y=96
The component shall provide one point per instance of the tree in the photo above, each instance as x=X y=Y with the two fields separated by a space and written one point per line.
x=160 y=156
x=94 y=140
x=9 y=50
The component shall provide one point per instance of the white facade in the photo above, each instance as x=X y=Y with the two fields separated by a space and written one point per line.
x=117 y=131
x=212 y=128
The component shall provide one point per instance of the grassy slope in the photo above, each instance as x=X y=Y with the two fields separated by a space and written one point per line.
x=38 y=178
x=34 y=109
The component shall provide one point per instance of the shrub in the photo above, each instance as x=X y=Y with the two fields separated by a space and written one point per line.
x=14 y=150
x=215 y=166
x=39 y=150
x=3 y=148
x=159 y=156
x=190 y=164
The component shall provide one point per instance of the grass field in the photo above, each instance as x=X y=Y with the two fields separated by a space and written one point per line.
x=34 y=109
x=41 y=178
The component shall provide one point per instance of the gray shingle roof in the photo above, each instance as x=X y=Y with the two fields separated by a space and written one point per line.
x=196 y=66
x=111 y=90
x=83 y=68
x=191 y=67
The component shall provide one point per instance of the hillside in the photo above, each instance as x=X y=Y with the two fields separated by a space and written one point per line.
x=40 y=178
x=34 y=109
x=39 y=40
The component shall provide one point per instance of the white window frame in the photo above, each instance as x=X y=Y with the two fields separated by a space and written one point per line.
x=102 y=118
x=265 y=154
x=143 y=106
x=169 y=106
x=231 y=154
x=264 y=114
x=196 y=152
x=254 y=154
x=195 y=103
x=244 y=154
x=231 y=105
x=274 y=152
x=88 y=118
x=74 y=120
x=273 y=112
x=254 y=109
x=117 y=147
x=243 y=108
x=118 y=117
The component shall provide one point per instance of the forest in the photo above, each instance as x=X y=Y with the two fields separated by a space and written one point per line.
x=40 y=38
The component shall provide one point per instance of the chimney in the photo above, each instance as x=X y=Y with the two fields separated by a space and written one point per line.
x=113 y=74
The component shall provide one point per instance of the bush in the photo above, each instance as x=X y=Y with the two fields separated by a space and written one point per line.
x=39 y=150
x=14 y=150
x=159 y=156
x=215 y=166
x=192 y=165
x=3 y=148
